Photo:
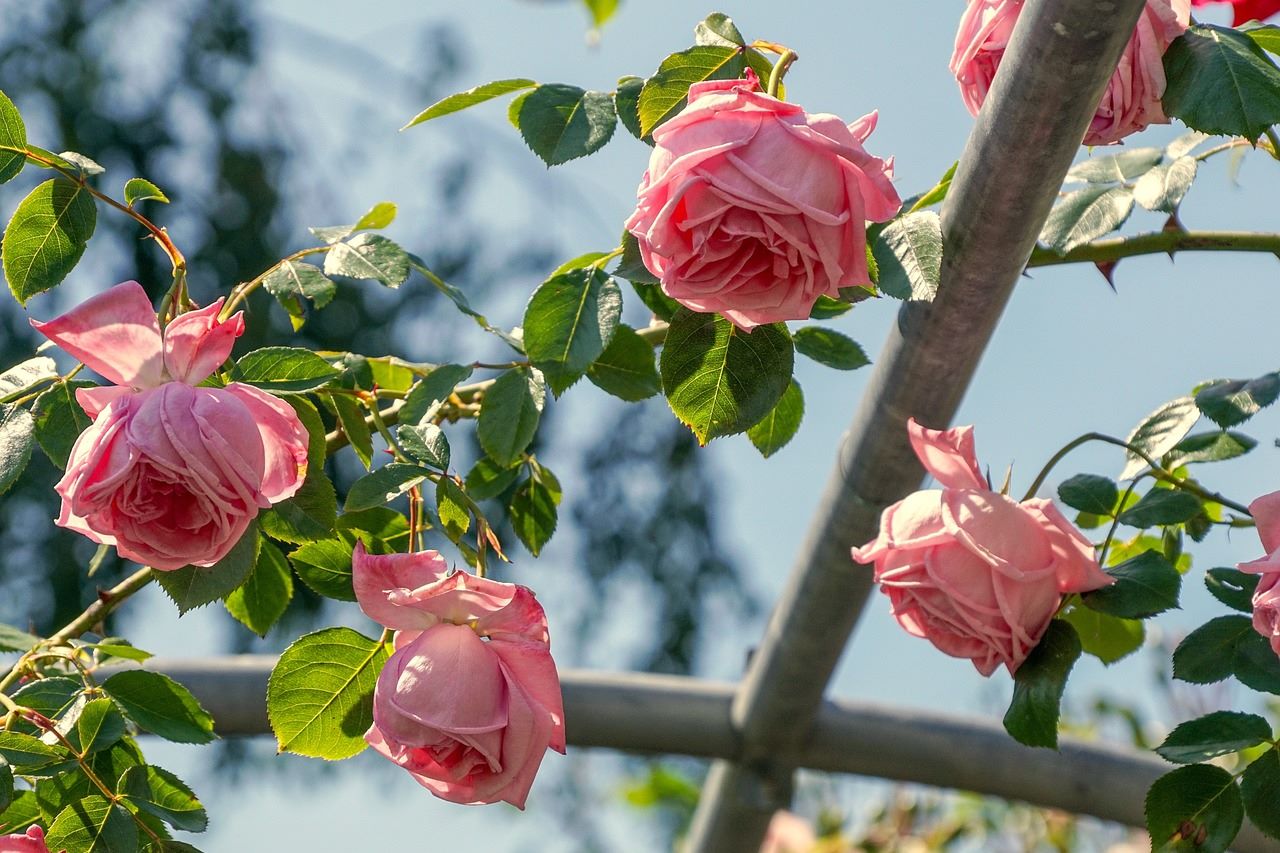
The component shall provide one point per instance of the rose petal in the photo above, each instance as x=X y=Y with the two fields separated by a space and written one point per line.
x=197 y=343
x=115 y=334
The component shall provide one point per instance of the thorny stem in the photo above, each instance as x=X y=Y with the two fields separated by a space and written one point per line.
x=1159 y=242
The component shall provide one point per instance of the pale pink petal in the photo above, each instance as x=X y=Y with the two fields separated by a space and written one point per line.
x=374 y=576
x=94 y=400
x=948 y=455
x=992 y=526
x=197 y=343
x=284 y=441
x=1266 y=514
x=1077 y=567
x=530 y=666
x=115 y=334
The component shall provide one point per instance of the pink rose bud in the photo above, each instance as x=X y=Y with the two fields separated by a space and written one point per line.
x=470 y=700
x=1246 y=10
x=168 y=473
x=974 y=572
x=753 y=208
x=1266 y=598
x=788 y=833
x=1132 y=99
x=32 y=841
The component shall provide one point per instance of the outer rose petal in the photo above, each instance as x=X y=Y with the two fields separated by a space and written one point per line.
x=1266 y=512
x=913 y=522
x=531 y=665
x=31 y=841
x=948 y=455
x=447 y=680
x=284 y=441
x=94 y=400
x=197 y=343
x=1078 y=569
x=115 y=334
x=1266 y=609
x=374 y=576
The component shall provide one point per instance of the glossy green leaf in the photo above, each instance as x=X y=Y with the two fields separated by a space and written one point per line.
x=427 y=444
x=59 y=420
x=1085 y=215
x=434 y=387
x=21 y=813
x=570 y=320
x=1256 y=664
x=1164 y=187
x=720 y=380
x=285 y=370
x=161 y=794
x=84 y=165
x=1032 y=718
x=1161 y=506
x=827 y=308
x=50 y=696
x=1232 y=587
x=469 y=98
x=1159 y=432
x=560 y=123
x=1208 y=653
x=368 y=256
x=778 y=427
x=1209 y=447
x=1233 y=401
x=1194 y=798
x=6 y=787
x=382 y=529
x=308 y=516
x=631 y=267
x=195 y=586
x=1144 y=586
x=160 y=705
x=325 y=567
x=351 y=418
x=97 y=727
x=320 y=694
x=1125 y=165
x=1260 y=791
x=1090 y=493
x=140 y=189
x=908 y=253
x=534 y=514
x=487 y=479
x=295 y=283
x=510 y=414
x=627 y=368
x=17 y=438
x=452 y=508
x=667 y=92
x=1214 y=734
x=21 y=378
x=262 y=599
x=46 y=237
x=1106 y=637
x=626 y=102
x=93 y=825
x=384 y=485
x=27 y=753
x=830 y=348
x=13 y=134
x=1221 y=82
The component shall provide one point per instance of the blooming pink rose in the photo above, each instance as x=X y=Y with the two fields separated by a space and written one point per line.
x=32 y=841
x=1246 y=10
x=169 y=473
x=974 y=572
x=753 y=208
x=470 y=700
x=1266 y=598
x=788 y=833
x=1132 y=99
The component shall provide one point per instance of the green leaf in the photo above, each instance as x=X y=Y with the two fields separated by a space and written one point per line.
x=59 y=420
x=368 y=256
x=13 y=640
x=195 y=586
x=160 y=705
x=307 y=516
x=1116 y=168
x=1145 y=585
x=781 y=424
x=534 y=514
x=1085 y=215
x=627 y=368
x=427 y=444
x=626 y=102
x=560 y=123
x=718 y=29
x=384 y=485
x=570 y=320
x=1159 y=433
x=1260 y=791
x=93 y=825
x=827 y=308
x=380 y=215
x=831 y=348
x=1032 y=718
x=293 y=283
x=1209 y=447
x=120 y=648
x=325 y=567
x=1267 y=36
x=452 y=508
x=140 y=189
x=13 y=134
x=667 y=92
x=1221 y=82
x=1208 y=653
x=510 y=414
x=435 y=387
x=351 y=417
x=1232 y=587
x=601 y=11
x=1090 y=493
x=1233 y=401
x=50 y=696
x=284 y=370
x=320 y=694
x=161 y=794
x=631 y=267
x=1161 y=506
x=84 y=165
x=17 y=437
x=6 y=787
x=487 y=479
x=1256 y=664
x=98 y=726
x=1193 y=798
x=1164 y=187
x=1215 y=734
x=720 y=380
x=46 y=237
x=937 y=194
x=908 y=253
x=383 y=530
x=469 y=98
x=21 y=378
x=1108 y=638
x=28 y=753
x=261 y=600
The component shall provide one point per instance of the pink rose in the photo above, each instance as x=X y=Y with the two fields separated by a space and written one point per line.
x=30 y=842
x=1132 y=99
x=974 y=572
x=470 y=700
x=1266 y=598
x=169 y=473
x=788 y=833
x=753 y=208
x=1246 y=10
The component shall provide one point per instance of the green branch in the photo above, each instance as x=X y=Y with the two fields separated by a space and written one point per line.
x=1160 y=242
